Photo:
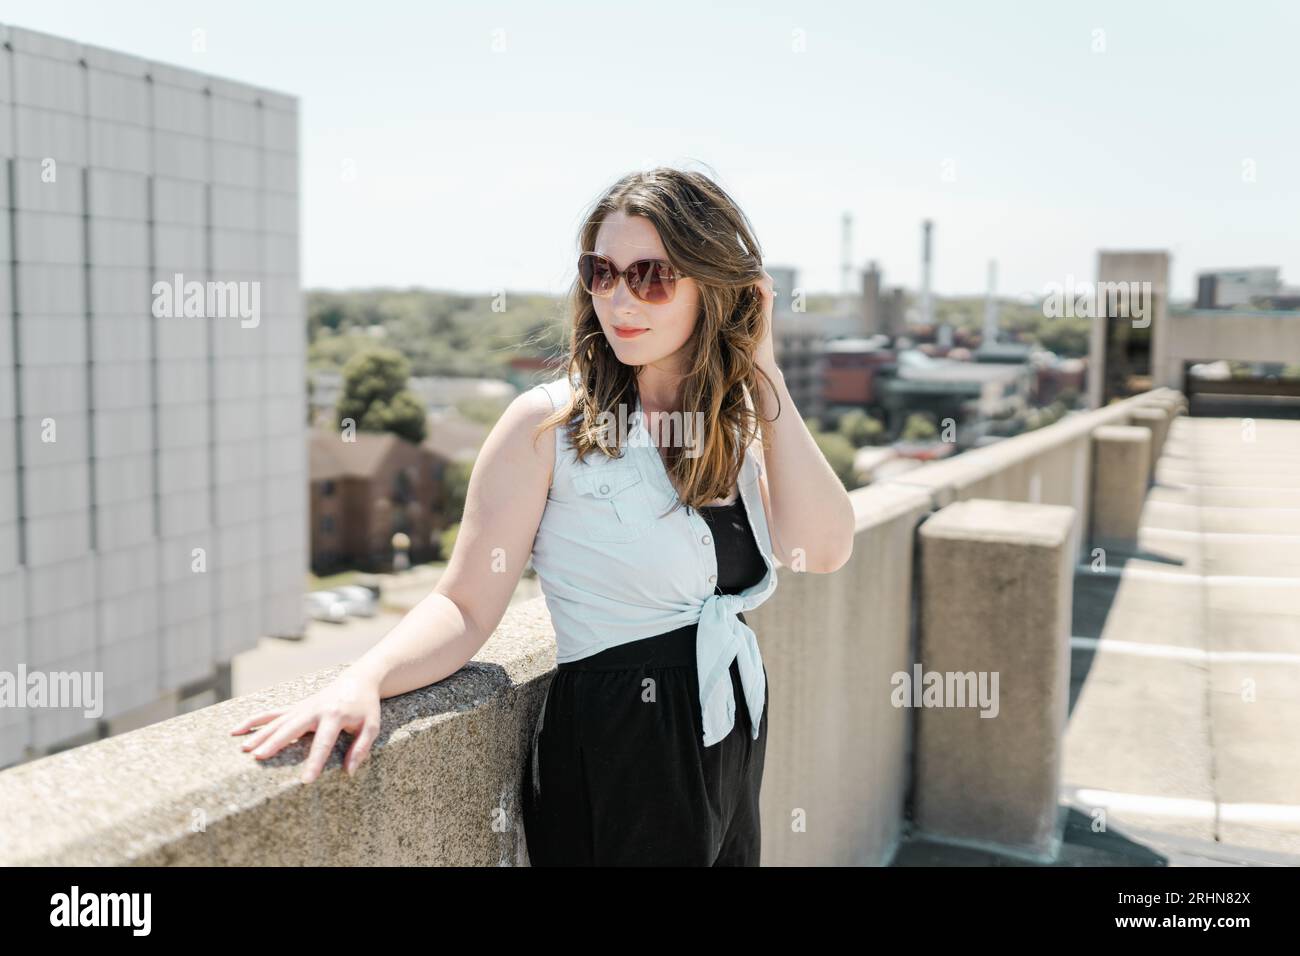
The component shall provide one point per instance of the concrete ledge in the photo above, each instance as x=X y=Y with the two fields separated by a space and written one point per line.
x=969 y=473
x=1154 y=418
x=996 y=595
x=439 y=788
x=1121 y=457
x=1174 y=403
x=1051 y=465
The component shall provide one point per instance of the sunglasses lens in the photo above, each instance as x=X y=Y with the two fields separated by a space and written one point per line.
x=596 y=275
x=654 y=281
x=650 y=280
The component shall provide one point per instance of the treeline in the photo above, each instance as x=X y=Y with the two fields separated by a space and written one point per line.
x=446 y=333
x=440 y=333
x=1019 y=322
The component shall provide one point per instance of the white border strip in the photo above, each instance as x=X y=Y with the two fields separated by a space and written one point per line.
x=1217 y=535
x=1189 y=577
x=1182 y=652
x=1187 y=808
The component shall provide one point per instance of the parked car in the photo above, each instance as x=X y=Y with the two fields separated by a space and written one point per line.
x=359 y=601
x=326 y=606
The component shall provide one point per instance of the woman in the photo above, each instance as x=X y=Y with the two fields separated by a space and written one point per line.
x=648 y=545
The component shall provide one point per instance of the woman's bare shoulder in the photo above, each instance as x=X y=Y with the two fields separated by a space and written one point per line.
x=516 y=432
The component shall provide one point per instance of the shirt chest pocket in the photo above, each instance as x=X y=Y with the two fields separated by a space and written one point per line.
x=613 y=502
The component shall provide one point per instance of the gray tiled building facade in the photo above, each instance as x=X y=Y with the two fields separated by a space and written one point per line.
x=152 y=462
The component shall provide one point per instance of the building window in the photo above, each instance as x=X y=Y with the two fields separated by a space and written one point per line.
x=403 y=486
x=327 y=488
x=327 y=523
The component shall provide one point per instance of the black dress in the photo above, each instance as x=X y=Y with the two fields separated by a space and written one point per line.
x=618 y=774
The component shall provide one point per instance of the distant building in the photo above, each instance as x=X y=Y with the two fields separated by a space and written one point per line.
x=1129 y=353
x=852 y=366
x=451 y=440
x=966 y=392
x=1226 y=288
x=1129 y=332
x=152 y=462
x=364 y=492
x=883 y=310
x=797 y=338
x=1063 y=375
x=799 y=345
x=1004 y=353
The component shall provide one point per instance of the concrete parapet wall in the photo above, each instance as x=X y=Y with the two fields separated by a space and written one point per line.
x=442 y=783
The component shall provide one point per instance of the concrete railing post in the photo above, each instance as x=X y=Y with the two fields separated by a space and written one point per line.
x=1172 y=402
x=1155 y=420
x=996 y=593
x=1121 y=468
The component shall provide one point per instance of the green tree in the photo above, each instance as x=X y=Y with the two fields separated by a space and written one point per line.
x=375 y=395
x=919 y=427
x=440 y=333
x=1065 y=336
x=860 y=428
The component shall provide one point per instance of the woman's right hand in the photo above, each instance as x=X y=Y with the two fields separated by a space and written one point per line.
x=350 y=703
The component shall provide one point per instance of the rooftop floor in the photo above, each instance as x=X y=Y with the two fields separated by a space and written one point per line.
x=1185 y=668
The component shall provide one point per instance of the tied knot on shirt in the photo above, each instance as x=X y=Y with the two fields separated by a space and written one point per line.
x=722 y=637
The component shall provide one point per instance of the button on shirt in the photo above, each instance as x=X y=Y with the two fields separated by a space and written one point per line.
x=615 y=566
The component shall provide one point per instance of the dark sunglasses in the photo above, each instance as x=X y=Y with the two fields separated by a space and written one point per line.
x=653 y=281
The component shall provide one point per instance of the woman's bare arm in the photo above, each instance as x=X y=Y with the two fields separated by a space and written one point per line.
x=507 y=495
x=809 y=511
x=503 y=507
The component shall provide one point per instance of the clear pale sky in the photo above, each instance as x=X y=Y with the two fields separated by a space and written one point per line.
x=473 y=167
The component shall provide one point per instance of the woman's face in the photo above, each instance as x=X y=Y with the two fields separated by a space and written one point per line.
x=624 y=239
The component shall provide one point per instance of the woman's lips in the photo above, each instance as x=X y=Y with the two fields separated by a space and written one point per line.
x=629 y=333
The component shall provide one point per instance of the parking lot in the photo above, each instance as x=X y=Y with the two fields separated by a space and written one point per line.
x=326 y=644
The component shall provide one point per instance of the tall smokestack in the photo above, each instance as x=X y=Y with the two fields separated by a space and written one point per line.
x=872 y=318
x=926 y=313
x=991 y=306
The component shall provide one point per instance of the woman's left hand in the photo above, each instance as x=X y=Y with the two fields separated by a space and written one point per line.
x=766 y=354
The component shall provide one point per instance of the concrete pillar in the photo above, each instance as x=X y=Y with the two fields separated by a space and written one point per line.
x=1156 y=420
x=996 y=591
x=1173 y=402
x=1121 y=468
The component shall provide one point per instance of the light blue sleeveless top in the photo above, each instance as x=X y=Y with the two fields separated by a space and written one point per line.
x=613 y=571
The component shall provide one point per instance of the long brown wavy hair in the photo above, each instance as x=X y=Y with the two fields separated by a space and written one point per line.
x=706 y=238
